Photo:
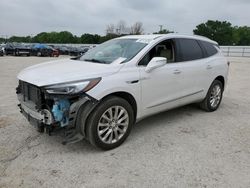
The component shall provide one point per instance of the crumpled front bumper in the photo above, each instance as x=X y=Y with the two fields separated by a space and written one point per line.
x=37 y=118
x=44 y=121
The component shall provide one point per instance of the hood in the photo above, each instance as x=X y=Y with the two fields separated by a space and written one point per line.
x=65 y=70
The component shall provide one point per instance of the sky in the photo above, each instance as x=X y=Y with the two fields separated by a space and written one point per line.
x=30 y=17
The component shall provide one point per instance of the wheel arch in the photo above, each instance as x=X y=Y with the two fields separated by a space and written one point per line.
x=222 y=80
x=126 y=96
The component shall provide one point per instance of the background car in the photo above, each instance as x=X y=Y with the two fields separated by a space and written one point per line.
x=73 y=51
x=63 y=50
x=16 y=49
x=44 y=50
x=1 y=50
x=53 y=52
x=84 y=49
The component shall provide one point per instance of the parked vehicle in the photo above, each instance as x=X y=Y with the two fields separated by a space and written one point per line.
x=63 y=50
x=84 y=50
x=44 y=50
x=103 y=94
x=73 y=51
x=1 y=50
x=54 y=52
x=16 y=49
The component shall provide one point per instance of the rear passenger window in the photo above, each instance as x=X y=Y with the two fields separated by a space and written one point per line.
x=210 y=48
x=190 y=49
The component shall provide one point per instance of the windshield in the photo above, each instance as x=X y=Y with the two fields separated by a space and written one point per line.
x=110 y=51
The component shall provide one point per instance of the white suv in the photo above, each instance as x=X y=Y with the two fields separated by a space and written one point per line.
x=101 y=95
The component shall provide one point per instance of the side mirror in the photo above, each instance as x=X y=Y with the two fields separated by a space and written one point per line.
x=156 y=62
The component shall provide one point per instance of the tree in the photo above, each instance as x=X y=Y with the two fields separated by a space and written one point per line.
x=241 y=35
x=2 y=40
x=222 y=32
x=119 y=29
x=136 y=28
x=90 y=39
x=164 y=31
x=20 y=39
x=110 y=29
x=122 y=28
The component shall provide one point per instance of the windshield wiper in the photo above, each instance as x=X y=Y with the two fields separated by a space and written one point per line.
x=95 y=60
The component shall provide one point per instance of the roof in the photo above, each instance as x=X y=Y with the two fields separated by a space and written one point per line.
x=170 y=35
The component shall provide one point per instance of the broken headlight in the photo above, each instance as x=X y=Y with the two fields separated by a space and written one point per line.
x=72 y=87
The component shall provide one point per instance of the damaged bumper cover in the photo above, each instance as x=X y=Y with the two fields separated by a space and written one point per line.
x=71 y=114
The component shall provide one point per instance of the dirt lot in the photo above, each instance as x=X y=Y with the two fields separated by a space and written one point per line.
x=185 y=147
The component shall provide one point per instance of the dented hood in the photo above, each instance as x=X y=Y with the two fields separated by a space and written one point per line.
x=65 y=70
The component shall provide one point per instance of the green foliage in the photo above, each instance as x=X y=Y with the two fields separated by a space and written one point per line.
x=222 y=32
x=241 y=36
x=55 y=37
x=62 y=38
x=109 y=37
x=19 y=39
x=164 y=31
x=90 y=39
x=2 y=40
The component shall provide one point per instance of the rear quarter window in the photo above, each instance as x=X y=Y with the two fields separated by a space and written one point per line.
x=190 y=50
x=209 y=48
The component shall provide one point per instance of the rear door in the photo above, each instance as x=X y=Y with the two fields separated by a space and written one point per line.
x=193 y=69
x=215 y=64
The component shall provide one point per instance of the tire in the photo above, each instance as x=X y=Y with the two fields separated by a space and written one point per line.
x=39 y=54
x=213 y=98
x=107 y=133
x=17 y=53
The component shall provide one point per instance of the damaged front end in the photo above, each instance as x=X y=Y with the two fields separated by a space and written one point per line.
x=62 y=106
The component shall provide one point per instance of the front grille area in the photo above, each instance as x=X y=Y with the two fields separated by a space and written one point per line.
x=30 y=93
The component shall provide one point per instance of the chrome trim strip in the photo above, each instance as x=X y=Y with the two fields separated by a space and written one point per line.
x=172 y=100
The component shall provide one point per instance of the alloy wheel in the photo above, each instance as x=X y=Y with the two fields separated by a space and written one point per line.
x=215 y=96
x=113 y=124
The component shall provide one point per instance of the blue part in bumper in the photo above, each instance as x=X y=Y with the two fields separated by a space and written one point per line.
x=60 y=111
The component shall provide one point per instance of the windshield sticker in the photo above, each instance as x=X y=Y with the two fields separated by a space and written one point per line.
x=146 y=41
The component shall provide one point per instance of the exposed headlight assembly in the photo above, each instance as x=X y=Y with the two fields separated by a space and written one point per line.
x=72 y=87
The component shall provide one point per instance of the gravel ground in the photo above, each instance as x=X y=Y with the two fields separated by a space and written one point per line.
x=185 y=147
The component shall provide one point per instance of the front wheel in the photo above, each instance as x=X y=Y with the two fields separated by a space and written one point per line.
x=110 y=123
x=213 y=98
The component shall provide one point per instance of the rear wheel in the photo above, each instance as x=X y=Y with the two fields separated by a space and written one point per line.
x=213 y=98
x=110 y=123
x=39 y=54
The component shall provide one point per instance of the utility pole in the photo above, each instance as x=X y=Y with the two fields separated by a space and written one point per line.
x=160 y=27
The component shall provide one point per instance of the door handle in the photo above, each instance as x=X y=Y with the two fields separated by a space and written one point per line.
x=177 y=72
x=209 y=67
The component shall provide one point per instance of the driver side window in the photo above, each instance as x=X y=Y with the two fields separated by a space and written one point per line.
x=163 y=49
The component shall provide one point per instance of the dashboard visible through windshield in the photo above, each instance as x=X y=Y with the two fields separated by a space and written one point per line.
x=110 y=51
